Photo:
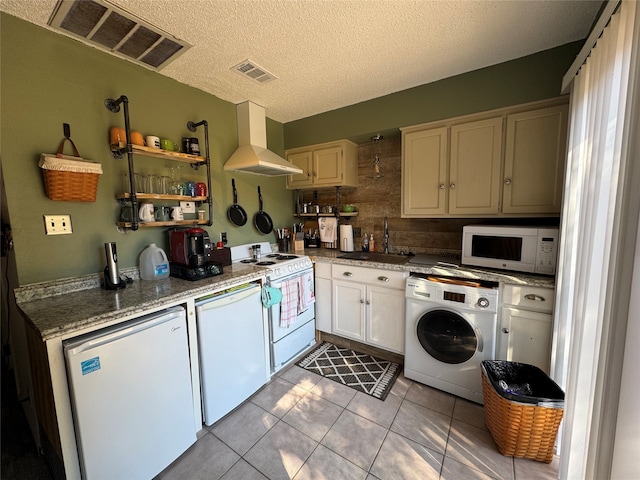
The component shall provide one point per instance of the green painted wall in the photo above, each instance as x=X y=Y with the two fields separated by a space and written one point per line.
x=48 y=79
x=527 y=79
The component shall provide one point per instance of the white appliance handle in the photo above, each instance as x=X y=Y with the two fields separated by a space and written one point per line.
x=227 y=298
x=480 y=340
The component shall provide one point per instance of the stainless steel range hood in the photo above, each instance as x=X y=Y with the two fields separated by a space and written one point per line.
x=252 y=155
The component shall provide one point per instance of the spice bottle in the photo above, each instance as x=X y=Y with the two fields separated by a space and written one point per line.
x=365 y=243
x=372 y=244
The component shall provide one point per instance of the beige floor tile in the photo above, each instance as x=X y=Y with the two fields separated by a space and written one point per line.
x=278 y=396
x=281 y=452
x=313 y=416
x=430 y=397
x=207 y=459
x=355 y=438
x=401 y=386
x=301 y=377
x=334 y=392
x=243 y=471
x=469 y=412
x=378 y=411
x=422 y=425
x=244 y=427
x=402 y=458
x=475 y=448
x=323 y=464
x=527 y=469
x=453 y=470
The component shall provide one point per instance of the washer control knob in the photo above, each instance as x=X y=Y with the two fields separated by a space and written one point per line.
x=483 y=302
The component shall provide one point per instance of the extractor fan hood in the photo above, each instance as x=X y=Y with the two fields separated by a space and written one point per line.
x=252 y=155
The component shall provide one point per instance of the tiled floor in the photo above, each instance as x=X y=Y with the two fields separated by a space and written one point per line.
x=301 y=426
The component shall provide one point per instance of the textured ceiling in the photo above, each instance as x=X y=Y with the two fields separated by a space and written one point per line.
x=329 y=54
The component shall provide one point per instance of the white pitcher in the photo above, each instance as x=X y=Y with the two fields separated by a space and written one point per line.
x=146 y=213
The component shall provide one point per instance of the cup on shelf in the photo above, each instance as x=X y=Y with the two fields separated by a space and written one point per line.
x=153 y=141
x=200 y=214
x=164 y=182
x=201 y=189
x=152 y=182
x=166 y=144
x=136 y=138
x=190 y=189
x=163 y=214
x=190 y=145
x=141 y=183
x=146 y=212
x=117 y=135
x=176 y=213
x=126 y=215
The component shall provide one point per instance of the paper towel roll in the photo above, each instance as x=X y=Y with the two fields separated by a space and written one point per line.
x=346 y=238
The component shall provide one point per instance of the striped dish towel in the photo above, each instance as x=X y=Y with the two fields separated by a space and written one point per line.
x=289 y=303
x=306 y=292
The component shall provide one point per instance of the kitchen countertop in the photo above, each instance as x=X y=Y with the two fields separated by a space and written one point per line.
x=61 y=307
x=505 y=277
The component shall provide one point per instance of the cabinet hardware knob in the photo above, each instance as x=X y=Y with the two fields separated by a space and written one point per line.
x=308 y=174
x=383 y=279
x=452 y=186
x=361 y=301
x=441 y=186
x=535 y=298
x=507 y=181
x=315 y=174
x=505 y=330
x=348 y=274
x=368 y=302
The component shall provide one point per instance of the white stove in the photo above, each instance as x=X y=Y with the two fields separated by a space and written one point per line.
x=279 y=265
x=290 y=332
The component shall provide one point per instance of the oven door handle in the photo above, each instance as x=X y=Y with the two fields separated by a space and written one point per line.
x=480 y=340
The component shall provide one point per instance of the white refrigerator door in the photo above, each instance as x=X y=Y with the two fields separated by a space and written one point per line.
x=233 y=353
x=131 y=395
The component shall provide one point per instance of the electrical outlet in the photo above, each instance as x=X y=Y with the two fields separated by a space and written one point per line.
x=57 y=224
x=223 y=237
x=188 y=207
x=357 y=231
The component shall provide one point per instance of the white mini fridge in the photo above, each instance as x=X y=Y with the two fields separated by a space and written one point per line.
x=131 y=396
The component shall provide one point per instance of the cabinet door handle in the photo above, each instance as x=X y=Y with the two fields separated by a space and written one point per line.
x=383 y=278
x=348 y=274
x=315 y=174
x=441 y=186
x=361 y=301
x=368 y=302
x=507 y=181
x=452 y=186
x=535 y=298
x=505 y=330
x=308 y=174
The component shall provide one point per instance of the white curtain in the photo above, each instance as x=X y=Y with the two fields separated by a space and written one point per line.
x=596 y=228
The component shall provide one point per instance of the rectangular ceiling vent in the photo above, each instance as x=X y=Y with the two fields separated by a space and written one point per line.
x=250 y=69
x=99 y=23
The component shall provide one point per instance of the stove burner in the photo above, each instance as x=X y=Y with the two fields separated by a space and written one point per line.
x=273 y=255
x=265 y=262
x=248 y=260
x=287 y=257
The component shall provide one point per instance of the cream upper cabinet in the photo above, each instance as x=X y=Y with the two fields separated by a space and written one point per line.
x=424 y=173
x=534 y=160
x=474 y=168
x=507 y=162
x=333 y=164
x=462 y=181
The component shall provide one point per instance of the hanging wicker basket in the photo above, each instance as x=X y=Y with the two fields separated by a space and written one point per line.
x=69 y=178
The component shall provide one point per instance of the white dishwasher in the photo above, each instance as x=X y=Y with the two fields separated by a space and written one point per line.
x=131 y=395
x=233 y=346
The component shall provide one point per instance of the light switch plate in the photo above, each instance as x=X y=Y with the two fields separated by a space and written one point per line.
x=188 y=207
x=57 y=224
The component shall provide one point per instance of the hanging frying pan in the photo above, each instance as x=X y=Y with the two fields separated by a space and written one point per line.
x=236 y=213
x=262 y=220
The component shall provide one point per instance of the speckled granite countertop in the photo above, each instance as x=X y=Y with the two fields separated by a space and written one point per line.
x=65 y=306
x=510 y=278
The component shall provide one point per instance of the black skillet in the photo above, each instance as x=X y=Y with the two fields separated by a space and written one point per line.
x=236 y=213
x=262 y=220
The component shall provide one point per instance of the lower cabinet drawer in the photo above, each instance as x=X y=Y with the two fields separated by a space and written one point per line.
x=537 y=299
x=371 y=276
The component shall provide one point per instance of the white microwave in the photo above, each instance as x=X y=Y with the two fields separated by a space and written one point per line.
x=523 y=249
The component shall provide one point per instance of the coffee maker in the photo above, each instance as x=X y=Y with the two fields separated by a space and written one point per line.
x=191 y=257
x=190 y=247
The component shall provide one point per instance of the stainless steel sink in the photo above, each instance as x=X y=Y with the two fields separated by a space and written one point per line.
x=376 y=257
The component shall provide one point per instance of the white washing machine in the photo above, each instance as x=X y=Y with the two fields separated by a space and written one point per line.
x=450 y=328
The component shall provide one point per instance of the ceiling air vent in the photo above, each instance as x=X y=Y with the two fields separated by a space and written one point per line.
x=102 y=24
x=249 y=69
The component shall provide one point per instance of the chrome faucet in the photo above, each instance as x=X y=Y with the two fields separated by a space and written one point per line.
x=385 y=240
